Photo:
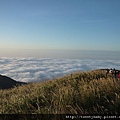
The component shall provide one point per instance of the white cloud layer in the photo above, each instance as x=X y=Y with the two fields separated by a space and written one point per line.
x=39 y=69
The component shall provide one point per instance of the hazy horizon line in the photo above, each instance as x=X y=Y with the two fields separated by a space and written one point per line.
x=60 y=49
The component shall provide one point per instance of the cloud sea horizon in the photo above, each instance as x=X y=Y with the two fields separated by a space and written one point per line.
x=35 y=69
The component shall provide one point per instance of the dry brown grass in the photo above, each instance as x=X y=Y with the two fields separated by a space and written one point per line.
x=79 y=93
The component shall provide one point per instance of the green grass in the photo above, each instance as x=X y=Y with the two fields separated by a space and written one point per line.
x=79 y=93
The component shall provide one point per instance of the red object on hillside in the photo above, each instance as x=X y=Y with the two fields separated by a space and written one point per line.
x=119 y=75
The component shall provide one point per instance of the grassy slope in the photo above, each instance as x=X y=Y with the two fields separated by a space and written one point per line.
x=80 y=93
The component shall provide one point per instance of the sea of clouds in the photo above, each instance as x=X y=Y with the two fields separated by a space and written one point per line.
x=40 y=69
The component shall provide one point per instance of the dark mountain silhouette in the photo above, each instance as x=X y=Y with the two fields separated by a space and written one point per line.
x=7 y=83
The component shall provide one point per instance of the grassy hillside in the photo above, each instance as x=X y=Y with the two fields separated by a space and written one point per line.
x=78 y=93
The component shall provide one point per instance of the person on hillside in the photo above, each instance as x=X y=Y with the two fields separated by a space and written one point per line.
x=115 y=73
x=107 y=72
x=119 y=75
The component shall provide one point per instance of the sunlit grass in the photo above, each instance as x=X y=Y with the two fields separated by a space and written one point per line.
x=78 y=93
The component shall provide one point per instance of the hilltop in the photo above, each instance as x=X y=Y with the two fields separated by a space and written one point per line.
x=7 y=82
x=79 y=93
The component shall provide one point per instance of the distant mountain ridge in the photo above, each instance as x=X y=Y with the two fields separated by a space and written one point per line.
x=7 y=82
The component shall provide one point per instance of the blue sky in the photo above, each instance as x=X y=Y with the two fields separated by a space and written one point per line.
x=60 y=24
